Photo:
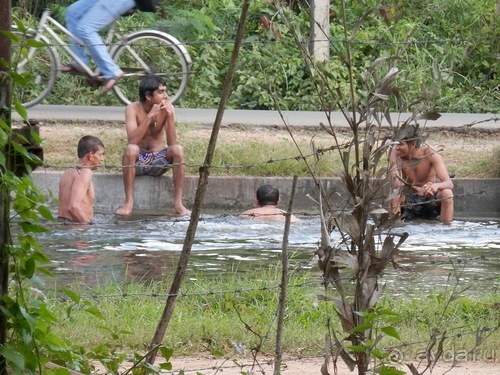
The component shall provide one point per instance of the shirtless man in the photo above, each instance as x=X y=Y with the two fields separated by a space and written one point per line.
x=418 y=173
x=148 y=122
x=267 y=201
x=76 y=190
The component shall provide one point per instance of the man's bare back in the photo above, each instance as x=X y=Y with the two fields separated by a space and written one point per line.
x=267 y=213
x=78 y=183
x=76 y=189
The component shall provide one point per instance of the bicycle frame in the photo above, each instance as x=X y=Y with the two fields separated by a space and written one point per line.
x=132 y=52
x=43 y=27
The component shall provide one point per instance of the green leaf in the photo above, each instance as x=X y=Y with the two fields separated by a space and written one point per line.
x=95 y=311
x=166 y=366
x=388 y=312
x=385 y=370
x=12 y=36
x=53 y=341
x=357 y=348
x=32 y=228
x=20 y=109
x=13 y=355
x=379 y=354
x=29 y=268
x=57 y=371
x=166 y=352
x=3 y=135
x=391 y=331
x=75 y=297
x=361 y=328
x=28 y=318
x=124 y=332
x=45 y=212
x=45 y=271
x=35 y=43
x=217 y=353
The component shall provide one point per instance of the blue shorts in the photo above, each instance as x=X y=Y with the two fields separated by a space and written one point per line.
x=152 y=163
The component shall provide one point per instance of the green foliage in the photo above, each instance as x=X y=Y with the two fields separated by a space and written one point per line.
x=26 y=318
x=446 y=53
x=221 y=317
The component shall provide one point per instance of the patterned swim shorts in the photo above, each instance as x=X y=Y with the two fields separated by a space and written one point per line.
x=152 y=163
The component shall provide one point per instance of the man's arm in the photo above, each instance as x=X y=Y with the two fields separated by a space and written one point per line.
x=396 y=183
x=394 y=170
x=79 y=190
x=170 y=131
x=437 y=163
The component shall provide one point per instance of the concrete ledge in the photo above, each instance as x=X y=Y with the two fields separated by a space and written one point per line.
x=474 y=198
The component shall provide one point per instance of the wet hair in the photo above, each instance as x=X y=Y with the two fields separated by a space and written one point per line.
x=148 y=85
x=267 y=195
x=88 y=144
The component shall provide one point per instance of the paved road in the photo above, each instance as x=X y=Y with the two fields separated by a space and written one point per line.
x=250 y=117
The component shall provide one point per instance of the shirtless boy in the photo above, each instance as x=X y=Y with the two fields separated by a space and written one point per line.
x=267 y=201
x=76 y=190
x=148 y=122
x=418 y=173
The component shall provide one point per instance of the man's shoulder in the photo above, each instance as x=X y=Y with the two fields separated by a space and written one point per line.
x=431 y=153
x=133 y=106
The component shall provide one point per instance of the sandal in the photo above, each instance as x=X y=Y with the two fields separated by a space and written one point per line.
x=73 y=69
x=111 y=82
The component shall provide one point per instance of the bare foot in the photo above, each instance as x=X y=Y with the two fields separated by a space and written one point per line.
x=124 y=211
x=181 y=210
x=110 y=83
x=73 y=69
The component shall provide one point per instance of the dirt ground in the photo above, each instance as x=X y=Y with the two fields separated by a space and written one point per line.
x=304 y=366
x=60 y=143
x=467 y=154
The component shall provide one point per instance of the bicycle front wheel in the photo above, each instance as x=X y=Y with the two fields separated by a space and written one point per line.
x=151 y=53
x=37 y=69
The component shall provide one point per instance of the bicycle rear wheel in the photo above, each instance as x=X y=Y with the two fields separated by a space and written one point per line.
x=151 y=53
x=37 y=70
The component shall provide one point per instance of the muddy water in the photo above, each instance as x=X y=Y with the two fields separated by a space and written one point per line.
x=148 y=247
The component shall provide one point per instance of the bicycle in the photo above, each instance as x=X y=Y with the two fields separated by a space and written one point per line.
x=138 y=54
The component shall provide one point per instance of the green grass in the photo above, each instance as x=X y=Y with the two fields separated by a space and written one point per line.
x=219 y=315
x=261 y=152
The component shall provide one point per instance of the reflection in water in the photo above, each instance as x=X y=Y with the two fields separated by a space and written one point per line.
x=147 y=248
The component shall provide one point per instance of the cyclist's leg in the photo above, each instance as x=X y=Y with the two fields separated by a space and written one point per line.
x=101 y=14
x=74 y=14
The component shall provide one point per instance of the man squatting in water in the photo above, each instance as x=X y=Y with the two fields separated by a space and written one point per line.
x=420 y=181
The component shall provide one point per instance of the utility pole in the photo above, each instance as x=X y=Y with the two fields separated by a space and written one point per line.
x=5 y=115
x=319 y=46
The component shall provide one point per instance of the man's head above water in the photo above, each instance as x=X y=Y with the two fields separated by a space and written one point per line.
x=268 y=195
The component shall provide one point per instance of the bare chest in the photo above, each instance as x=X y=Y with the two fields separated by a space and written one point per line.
x=417 y=171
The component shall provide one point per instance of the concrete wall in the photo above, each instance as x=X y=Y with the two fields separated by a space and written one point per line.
x=473 y=198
